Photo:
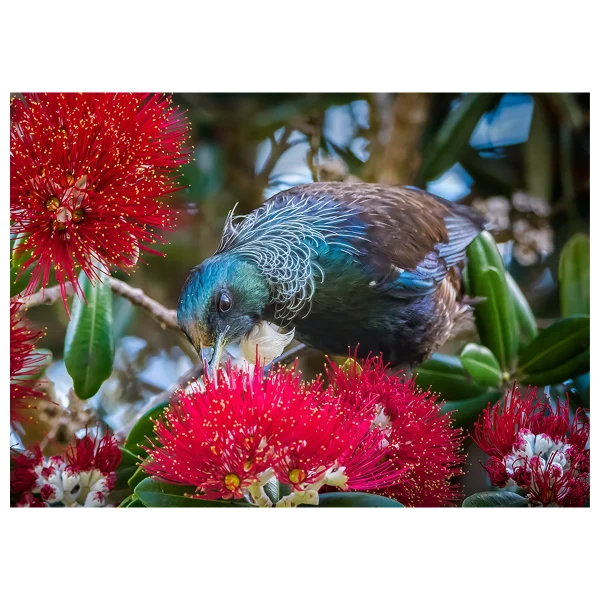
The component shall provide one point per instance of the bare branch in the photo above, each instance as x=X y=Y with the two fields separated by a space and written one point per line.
x=166 y=318
x=277 y=151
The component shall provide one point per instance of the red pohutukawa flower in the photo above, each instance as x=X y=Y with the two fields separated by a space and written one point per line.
x=419 y=440
x=84 y=477
x=87 y=172
x=368 y=430
x=24 y=364
x=537 y=447
x=231 y=434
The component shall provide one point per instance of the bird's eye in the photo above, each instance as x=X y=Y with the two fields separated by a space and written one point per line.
x=224 y=303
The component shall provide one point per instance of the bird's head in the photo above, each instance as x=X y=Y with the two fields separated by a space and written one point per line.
x=221 y=301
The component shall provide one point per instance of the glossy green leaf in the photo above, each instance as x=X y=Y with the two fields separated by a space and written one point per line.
x=528 y=328
x=89 y=343
x=132 y=501
x=559 y=352
x=128 y=501
x=155 y=493
x=568 y=370
x=137 y=478
x=495 y=500
x=465 y=412
x=137 y=503
x=443 y=151
x=354 y=499
x=538 y=155
x=495 y=315
x=126 y=469
x=445 y=375
x=144 y=428
x=481 y=364
x=574 y=276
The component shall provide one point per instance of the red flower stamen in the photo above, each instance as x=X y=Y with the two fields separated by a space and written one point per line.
x=24 y=364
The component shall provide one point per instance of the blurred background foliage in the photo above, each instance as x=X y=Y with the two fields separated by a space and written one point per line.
x=520 y=159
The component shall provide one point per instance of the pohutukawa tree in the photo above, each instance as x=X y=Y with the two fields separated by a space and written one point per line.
x=91 y=177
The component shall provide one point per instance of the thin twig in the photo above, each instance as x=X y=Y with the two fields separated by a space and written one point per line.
x=166 y=318
x=278 y=148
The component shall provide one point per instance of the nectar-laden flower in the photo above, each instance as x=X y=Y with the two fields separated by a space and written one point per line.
x=240 y=429
x=87 y=172
x=84 y=477
x=24 y=364
x=420 y=443
x=537 y=447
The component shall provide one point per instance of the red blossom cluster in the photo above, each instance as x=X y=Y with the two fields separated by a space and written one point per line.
x=537 y=447
x=368 y=430
x=83 y=477
x=24 y=364
x=87 y=172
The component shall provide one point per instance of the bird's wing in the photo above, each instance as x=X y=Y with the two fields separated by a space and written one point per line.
x=412 y=238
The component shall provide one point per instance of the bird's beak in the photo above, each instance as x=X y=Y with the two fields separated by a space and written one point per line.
x=215 y=359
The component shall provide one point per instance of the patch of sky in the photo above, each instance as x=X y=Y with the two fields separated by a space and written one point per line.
x=453 y=185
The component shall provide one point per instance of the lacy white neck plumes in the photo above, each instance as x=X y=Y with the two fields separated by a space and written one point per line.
x=282 y=240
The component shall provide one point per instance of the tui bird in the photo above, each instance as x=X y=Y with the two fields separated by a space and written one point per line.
x=343 y=264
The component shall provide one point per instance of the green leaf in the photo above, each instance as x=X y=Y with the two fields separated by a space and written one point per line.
x=126 y=469
x=132 y=501
x=495 y=316
x=558 y=353
x=89 y=343
x=128 y=501
x=574 y=276
x=144 y=428
x=495 y=500
x=465 y=412
x=445 y=375
x=137 y=478
x=537 y=156
x=353 y=499
x=136 y=503
x=481 y=364
x=443 y=151
x=155 y=493
x=567 y=370
x=528 y=328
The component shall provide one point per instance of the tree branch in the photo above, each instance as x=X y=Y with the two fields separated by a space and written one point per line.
x=166 y=318
x=277 y=151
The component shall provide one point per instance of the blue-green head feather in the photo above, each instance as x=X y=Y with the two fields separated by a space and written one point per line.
x=221 y=301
